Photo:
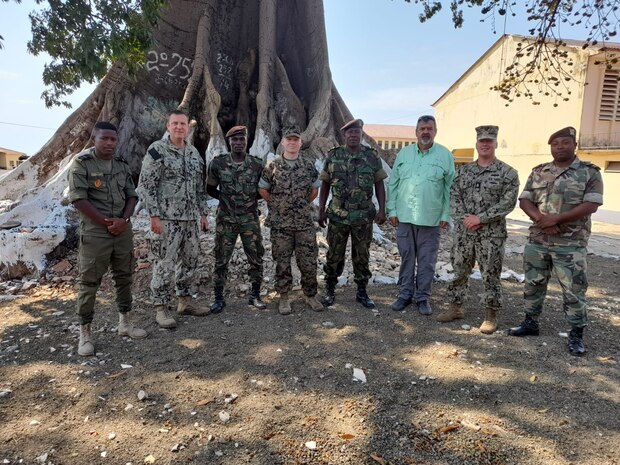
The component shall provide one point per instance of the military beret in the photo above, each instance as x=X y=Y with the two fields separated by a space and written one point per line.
x=486 y=132
x=236 y=131
x=568 y=131
x=291 y=131
x=355 y=123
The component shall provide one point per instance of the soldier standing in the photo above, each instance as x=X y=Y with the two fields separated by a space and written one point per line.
x=236 y=174
x=350 y=171
x=482 y=194
x=101 y=189
x=559 y=197
x=172 y=187
x=289 y=184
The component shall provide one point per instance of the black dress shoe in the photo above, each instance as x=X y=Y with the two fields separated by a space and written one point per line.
x=529 y=327
x=400 y=304
x=362 y=298
x=575 y=342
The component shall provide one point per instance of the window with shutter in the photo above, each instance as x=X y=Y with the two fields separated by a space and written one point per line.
x=610 y=97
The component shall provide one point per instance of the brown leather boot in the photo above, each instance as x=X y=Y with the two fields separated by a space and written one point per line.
x=126 y=327
x=453 y=312
x=489 y=325
x=284 y=306
x=163 y=317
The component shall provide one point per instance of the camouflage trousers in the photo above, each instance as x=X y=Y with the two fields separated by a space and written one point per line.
x=569 y=265
x=489 y=253
x=96 y=255
x=337 y=237
x=176 y=254
x=225 y=239
x=284 y=244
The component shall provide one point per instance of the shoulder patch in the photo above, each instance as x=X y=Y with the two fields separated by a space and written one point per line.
x=154 y=153
x=589 y=164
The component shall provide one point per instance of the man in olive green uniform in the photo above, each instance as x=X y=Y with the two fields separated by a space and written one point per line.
x=172 y=187
x=289 y=184
x=101 y=189
x=236 y=174
x=559 y=197
x=351 y=172
x=482 y=194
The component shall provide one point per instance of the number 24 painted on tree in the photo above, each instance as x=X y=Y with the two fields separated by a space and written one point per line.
x=178 y=64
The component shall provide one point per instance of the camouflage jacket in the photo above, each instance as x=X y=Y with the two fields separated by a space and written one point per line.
x=557 y=190
x=107 y=192
x=238 y=186
x=489 y=193
x=352 y=177
x=172 y=182
x=290 y=185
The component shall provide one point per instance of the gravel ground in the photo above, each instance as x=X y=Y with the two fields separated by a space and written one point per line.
x=254 y=387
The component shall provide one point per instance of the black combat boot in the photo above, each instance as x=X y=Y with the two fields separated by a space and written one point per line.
x=529 y=327
x=362 y=297
x=330 y=294
x=219 y=304
x=254 y=298
x=575 y=342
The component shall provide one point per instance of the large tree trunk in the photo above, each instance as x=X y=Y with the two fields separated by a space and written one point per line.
x=261 y=63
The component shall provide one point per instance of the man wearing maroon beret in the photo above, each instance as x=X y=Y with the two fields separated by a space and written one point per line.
x=559 y=197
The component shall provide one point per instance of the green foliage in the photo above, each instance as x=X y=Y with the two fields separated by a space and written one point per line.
x=84 y=37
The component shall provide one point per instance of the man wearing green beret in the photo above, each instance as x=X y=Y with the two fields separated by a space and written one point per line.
x=351 y=172
x=559 y=197
x=483 y=193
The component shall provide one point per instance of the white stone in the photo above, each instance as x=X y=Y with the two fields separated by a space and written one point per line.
x=359 y=375
x=311 y=445
x=224 y=416
x=142 y=395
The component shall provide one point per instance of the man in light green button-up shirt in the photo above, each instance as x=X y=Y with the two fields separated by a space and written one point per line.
x=419 y=205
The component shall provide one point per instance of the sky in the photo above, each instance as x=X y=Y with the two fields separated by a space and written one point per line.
x=388 y=67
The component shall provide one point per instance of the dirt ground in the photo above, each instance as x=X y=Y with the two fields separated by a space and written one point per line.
x=435 y=393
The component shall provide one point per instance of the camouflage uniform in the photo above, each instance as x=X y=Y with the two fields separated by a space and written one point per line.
x=557 y=190
x=172 y=187
x=352 y=177
x=490 y=193
x=107 y=190
x=237 y=214
x=290 y=183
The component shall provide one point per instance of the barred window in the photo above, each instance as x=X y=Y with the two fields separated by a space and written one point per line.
x=610 y=96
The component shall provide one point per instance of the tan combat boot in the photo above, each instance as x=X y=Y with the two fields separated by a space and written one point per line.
x=187 y=306
x=489 y=325
x=86 y=347
x=284 y=306
x=454 y=312
x=163 y=317
x=314 y=303
x=126 y=328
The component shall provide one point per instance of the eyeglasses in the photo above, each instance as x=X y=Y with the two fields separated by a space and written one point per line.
x=425 y=118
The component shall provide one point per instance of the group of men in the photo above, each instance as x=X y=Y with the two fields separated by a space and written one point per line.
x=424 y=194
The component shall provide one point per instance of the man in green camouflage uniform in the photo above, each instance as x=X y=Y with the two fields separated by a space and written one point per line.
x=559 y=197
x=172 y=187
x=236 y=174
x=351 y=172
x=482 y=194
x=101 y=189
x=289 y=184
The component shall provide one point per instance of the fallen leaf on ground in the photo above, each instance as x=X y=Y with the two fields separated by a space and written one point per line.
x=378 y=459
x=346 y=436
x=203 y=402
x=117 y=374
x=448 y=428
